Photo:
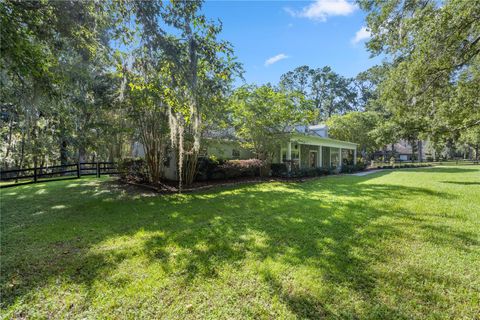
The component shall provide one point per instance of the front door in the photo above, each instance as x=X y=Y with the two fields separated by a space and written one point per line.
x=312 y=161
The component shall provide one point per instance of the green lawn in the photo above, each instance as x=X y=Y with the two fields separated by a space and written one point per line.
x=394 y=244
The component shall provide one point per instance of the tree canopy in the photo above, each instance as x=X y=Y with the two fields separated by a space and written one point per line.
x=433 y=48
x=88 y=79
x=264 y=117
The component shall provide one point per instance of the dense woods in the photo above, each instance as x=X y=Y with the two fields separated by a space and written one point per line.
x=84 y=80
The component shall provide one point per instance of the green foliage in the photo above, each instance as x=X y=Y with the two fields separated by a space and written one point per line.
x=133 y=170
x=432 y=87
x=75 y=84
x=279 y=169
x=329 y=92
x=367 y=83
x=264 y=117
x=195 y=69
x=351 y=168
x=56 y=82
x=355 y=127
x=214 y=169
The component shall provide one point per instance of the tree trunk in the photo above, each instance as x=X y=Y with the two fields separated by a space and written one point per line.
x=190 y=167
x=413 y=145
x=9 y=143
x=22 y=151
x=420 y=150
x=63 y=152
x=81 y=154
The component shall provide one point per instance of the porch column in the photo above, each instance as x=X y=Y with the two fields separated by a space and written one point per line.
x=320 y=156
x=340 y=158
x=289 y=155
x=330 y=157
x=355 y=156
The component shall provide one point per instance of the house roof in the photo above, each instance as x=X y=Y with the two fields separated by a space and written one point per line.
x=220 y=133
x=317 y=127
x=321 y=141
x=401 y=148
x=309 y=135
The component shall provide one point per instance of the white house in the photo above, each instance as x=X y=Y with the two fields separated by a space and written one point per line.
x=309 y=147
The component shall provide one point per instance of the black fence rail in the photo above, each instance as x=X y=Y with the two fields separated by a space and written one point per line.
x=15 y=177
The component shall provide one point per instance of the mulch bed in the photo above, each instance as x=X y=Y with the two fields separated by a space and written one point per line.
x=171 y=187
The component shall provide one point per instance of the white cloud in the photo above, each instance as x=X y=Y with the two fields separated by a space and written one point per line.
x=361 y=35
x=275 y=59
x=322 y=9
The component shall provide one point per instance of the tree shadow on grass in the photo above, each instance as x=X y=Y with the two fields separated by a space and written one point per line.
x=303 y=305
x=463 y=183
x=448 y=236
x=331 y=225
x=445 y=169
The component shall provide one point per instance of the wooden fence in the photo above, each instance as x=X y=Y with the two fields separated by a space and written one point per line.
x=55 y=173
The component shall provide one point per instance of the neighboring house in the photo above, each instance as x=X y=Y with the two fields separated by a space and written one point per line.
x=309 y=147
x=403 y=151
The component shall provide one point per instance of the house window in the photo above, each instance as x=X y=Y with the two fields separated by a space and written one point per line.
x=235 y=153
x=295 y=154
x=334 y=157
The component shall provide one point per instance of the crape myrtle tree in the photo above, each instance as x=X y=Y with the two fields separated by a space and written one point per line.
x=71 y=71
x=196 y=66
x=145 y=102
x=431 y=89
x=265 y=117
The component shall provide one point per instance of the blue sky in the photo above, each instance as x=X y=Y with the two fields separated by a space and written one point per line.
x=293 y=33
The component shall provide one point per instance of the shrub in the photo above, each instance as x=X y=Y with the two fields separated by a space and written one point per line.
x=241 y=168
x=392 y=161
x=279 y=170
x=216 y=169
x=322 y=171
x=133 y=170
x=310 y=172
x=207 y=168
x=351 y=168
x=347 y=169
x=360 y=166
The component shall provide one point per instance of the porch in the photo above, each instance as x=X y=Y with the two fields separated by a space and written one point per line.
x=309 y=152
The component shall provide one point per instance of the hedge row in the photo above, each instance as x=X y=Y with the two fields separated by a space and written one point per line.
x=281 y=170
x=399 y=166
x=135 y=170
x=214 y=169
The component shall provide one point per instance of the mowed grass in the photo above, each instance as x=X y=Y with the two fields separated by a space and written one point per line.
x=395 y=244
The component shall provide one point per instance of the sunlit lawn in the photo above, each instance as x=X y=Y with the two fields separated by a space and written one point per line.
x=403 y=244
